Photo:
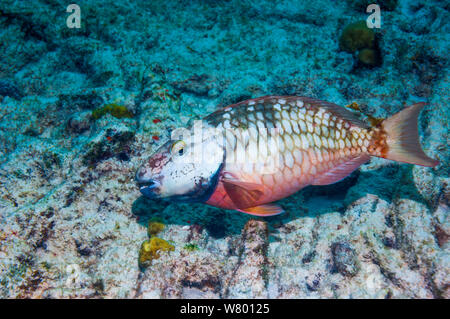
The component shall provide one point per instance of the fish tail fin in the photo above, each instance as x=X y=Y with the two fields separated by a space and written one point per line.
x=397 y=138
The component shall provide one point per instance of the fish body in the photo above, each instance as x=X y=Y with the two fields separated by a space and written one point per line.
x=261 y=150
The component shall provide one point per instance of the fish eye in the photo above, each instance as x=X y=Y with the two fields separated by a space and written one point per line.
x=178 y=148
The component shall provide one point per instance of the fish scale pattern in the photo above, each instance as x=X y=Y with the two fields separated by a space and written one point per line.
x=307 y=141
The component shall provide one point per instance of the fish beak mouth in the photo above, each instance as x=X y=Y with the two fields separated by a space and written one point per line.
x=149 y=188
x=148 y=185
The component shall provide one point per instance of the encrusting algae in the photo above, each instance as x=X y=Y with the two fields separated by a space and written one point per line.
x=191 y=247
x=154 y=227
x=358 y=39
x=367 y=56
x=357 y=36
x=151 y=248
x=116 y=110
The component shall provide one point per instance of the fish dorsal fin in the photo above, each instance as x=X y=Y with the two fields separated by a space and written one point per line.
x=337 y=110
x=243 y=194
x=341 y=171
x=263 y=210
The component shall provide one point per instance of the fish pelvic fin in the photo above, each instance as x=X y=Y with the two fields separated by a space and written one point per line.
x=263 y=210
x=397 y=138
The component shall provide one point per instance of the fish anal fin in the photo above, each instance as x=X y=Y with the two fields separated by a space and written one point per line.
x=242 y=194
x=341 y=171
x=263 y=210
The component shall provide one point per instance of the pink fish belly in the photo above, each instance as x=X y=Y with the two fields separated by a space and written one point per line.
x=306 y=168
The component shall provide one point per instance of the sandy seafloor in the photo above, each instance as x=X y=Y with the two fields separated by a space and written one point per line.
x=72 y=219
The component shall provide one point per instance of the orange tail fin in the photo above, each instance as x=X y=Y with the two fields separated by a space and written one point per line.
x=398 y=139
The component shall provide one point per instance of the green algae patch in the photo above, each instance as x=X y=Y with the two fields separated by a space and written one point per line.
x=368 y=57
x=362 y=42
x=154 y=227
x=191 y=247
x=357 y=36
x=116 y=110
x=150 y=249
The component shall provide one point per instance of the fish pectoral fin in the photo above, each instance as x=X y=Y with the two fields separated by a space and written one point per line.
x=263 y=210
x=242 y=184
x=242 y=194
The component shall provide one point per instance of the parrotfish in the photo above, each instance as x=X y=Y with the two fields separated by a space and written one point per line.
x=248 y=155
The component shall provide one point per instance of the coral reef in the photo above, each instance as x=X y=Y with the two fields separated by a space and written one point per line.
x=358 y=39
x=81 y=109
x=112 y=143
x=368 y=57
x=9 y=89
x=357 y=36
x=344 y=259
